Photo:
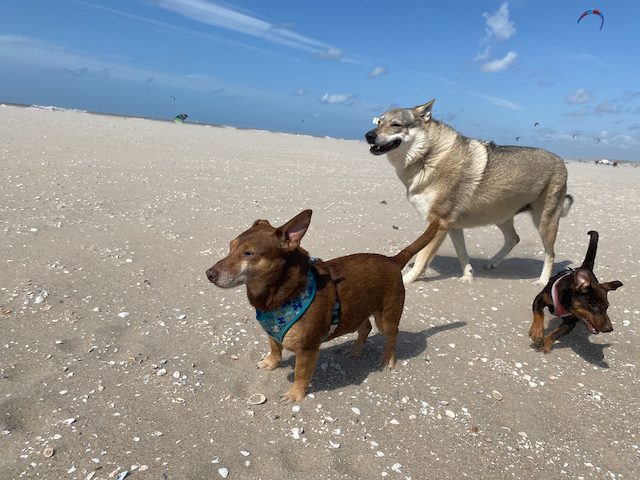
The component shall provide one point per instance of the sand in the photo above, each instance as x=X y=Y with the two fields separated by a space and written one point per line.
x=112 y=215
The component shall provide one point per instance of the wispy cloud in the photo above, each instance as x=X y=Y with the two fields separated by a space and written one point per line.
x=500 y=64
x=483 y=57
x=495 y=100
x=50 y=58
x=376 y=72
x=138 y=21
x=102 y=74
x=501 y=102
x=606 y=107
x=338 y=98
x=217 y=15
x=583 y=112
x=582 y=95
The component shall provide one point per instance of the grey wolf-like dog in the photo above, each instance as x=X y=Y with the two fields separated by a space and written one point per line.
x=463 y=183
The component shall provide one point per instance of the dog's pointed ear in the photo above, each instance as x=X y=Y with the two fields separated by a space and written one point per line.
x=591 y=251
x=611 y=285
x=424 y=111
x=582 y=280
x=292 y=232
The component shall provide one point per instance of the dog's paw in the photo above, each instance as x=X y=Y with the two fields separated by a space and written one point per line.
x=544 y=347
x=269 y=363
x=536 y=334
x=466 y=279
x=293 y=395
x=355 y=351
x=491 y=265
x=541 y=282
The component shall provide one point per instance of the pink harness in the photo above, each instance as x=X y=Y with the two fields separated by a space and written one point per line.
x=559 y=310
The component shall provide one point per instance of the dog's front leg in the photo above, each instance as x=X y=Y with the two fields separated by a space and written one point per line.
x=457 y=237
x=536 y=332
x=305 y=365
x=565 y=327
x=272 y=360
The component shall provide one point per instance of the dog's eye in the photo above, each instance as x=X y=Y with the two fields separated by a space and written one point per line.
x=248 y=253
x=396 y=125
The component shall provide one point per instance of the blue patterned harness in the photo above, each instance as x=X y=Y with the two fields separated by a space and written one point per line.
x=277 y=322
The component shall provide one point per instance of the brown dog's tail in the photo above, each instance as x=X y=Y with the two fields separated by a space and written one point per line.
x=423 y=240
x=589 y=259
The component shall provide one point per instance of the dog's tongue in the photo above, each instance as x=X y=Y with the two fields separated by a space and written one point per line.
x=589 y=325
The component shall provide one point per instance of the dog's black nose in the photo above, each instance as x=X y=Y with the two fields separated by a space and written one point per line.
x=371 y=136
x=212 y=275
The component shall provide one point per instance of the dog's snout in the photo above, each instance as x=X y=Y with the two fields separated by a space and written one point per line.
x=608 y=328
x=371 y=136
x=213 y=274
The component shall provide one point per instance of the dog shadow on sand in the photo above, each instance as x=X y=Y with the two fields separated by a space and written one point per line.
x=335 y=369
x=509 y=269
x=578 y=341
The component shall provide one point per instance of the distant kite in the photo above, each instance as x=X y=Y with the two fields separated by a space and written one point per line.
x=180 y=118
x=172 y=97
x=575 y=135
x=593 y=12
x=598 y=140
x=537 y=124
x=517 y=138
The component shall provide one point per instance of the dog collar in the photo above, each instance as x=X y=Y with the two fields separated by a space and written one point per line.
x=277 y=322
x=559 y=310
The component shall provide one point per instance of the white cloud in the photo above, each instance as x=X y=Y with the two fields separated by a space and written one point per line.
x=483 y=57
x=498 y=65
x=376 y=72
x=582 y=95
x=499 y=27
x=302 y=91
x=605 y=107
x=333 y=53
x=580 y=113
x=501 y=102
x=210 y=13
x=337 y=98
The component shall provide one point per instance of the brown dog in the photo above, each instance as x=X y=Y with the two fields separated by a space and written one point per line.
x=277 y=273
x=573 y=295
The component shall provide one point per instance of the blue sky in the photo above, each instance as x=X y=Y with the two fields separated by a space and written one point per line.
x=327 y=68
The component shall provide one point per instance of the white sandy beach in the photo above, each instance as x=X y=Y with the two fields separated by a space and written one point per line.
x=109 y=215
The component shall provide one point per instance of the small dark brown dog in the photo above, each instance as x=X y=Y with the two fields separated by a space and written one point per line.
x=573 y=295
x=276 y=270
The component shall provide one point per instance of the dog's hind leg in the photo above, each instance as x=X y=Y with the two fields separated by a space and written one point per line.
x=387 y=322
x=511 y=239
x=363 y=333
x=426 y=254
x=546 y=221
x=457 y=237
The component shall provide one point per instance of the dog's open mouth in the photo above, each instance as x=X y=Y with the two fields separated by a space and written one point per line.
x=589 y=325
x=382 y=149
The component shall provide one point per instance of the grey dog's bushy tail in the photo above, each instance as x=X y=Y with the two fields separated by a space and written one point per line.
x=423 y=240
x=566 y=205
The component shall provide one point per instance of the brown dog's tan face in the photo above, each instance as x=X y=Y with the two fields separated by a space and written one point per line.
x=250 y=257
x=259 y=253
x=590 y=301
